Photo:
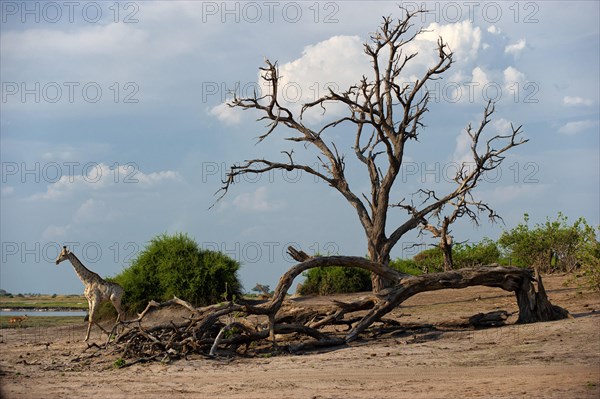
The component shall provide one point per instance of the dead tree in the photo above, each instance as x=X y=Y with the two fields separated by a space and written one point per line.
x=235 y=329
x=463 y=205
x=385 y=115
x=445 y=240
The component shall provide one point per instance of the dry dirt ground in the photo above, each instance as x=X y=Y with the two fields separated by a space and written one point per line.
x=558 y=359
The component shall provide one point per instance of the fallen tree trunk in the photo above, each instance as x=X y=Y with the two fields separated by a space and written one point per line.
x=533 y=306
x=205 y=331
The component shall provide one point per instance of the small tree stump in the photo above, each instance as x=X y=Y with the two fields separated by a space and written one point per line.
x=534 y=305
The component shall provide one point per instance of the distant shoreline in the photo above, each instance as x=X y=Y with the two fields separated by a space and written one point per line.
x=41 y=309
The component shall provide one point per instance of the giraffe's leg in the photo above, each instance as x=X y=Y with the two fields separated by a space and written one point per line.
x=116 y=301
x=91 y=311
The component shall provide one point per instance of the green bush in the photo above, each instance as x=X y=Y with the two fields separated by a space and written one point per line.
x=341 y=280
x=335 y=280
x=430 y=261
x=589 y=258
x=552 y=246
x=407 y=266
x=176 y=266
x=484 y=252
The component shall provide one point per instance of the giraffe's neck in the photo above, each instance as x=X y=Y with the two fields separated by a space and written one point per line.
x=85 y=275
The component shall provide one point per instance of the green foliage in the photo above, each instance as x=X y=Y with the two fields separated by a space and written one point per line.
x=552 y=246
x=176 y=266
x=335 y=280
x=407 y=266
x=330 y=280
x=430 y=261
x=106 y=311
x=589 y=260
x=120 y=362
x=484 y=252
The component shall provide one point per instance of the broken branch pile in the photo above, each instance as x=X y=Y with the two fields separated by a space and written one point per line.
x=246 y=328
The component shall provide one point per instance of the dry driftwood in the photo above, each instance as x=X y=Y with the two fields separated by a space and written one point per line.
x=235 y=329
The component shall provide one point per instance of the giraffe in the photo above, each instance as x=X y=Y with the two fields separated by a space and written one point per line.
x=96 y=291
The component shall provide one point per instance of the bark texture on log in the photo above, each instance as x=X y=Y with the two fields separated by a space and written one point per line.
x=534 y=305
x=226 y=328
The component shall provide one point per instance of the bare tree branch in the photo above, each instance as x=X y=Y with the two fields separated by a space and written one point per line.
x=466 y=180
x=384 y=114
x=226 y=328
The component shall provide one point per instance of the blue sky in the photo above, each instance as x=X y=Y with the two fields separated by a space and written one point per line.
x=114 y=127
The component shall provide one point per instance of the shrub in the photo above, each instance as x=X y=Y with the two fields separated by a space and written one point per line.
x=430 y=261
x=175 y=266
x=408 y=266
x=550 y=247
x=588 y=258
x=484 y=252
x=335 y=280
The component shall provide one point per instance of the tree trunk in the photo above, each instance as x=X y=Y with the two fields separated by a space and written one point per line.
x=378 y=282
x=535 y=306
x=446 y=245
x=447 y=251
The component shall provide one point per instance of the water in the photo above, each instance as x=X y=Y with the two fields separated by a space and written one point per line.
x=34 y=313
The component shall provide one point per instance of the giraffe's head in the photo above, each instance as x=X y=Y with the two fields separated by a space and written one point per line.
x=63 y=255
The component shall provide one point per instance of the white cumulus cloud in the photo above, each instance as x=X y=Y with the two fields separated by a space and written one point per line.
x=516 y=48
x=99 y=176
x=568 y=100
x=494 y=30
x=227 y=114
x=479 y=76
x=571 y=128
x=256 y=201
x=337 y=62
x=513 y=79
x=463 y=38
x=462 y=149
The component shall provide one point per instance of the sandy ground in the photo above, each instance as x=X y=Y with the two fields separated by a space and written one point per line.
x=545 y=360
